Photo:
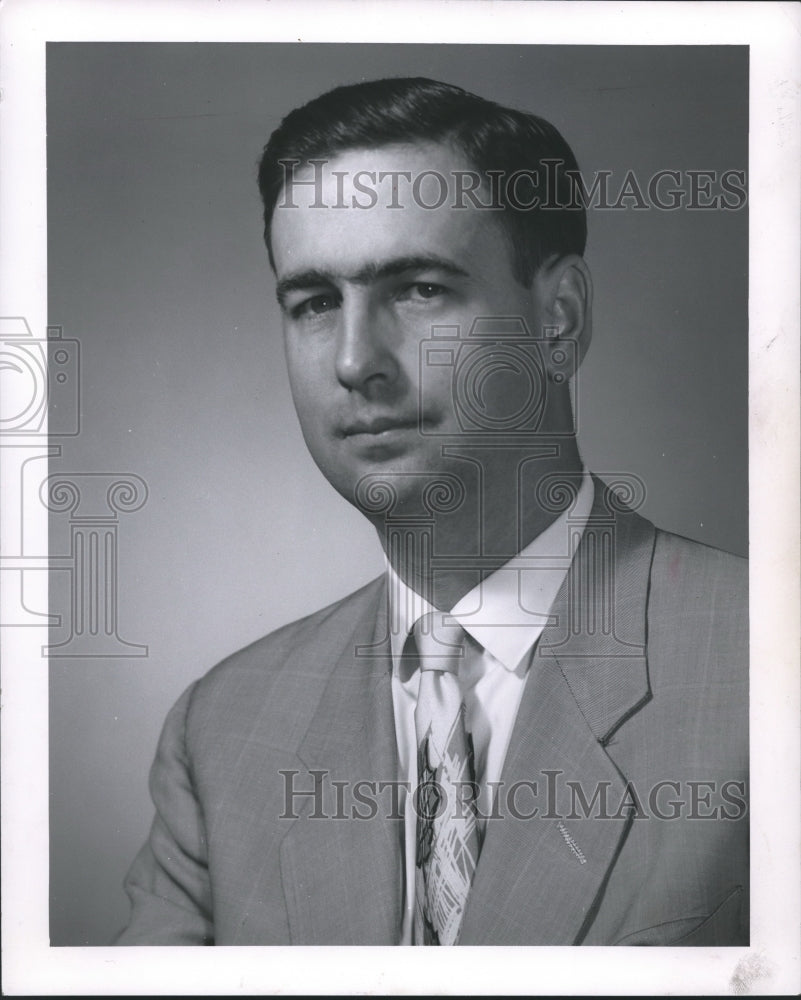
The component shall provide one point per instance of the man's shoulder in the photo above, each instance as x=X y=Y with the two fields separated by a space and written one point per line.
x=697 y=611
x=689 y=568
x=293 y=661
x=326 y=629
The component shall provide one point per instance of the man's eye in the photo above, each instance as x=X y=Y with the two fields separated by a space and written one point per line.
x=316 y=305
x=422 y=290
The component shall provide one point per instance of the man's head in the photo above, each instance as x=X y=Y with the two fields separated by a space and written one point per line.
x=380 y=242
x=495 y=141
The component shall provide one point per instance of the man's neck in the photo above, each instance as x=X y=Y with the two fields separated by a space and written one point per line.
x=444 y=558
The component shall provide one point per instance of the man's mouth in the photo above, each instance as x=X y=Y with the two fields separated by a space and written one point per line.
x=380 y=426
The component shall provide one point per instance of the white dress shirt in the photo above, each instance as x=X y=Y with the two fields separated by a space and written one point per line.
x=503 y=617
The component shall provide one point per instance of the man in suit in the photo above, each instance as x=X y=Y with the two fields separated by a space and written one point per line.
x=587 y=670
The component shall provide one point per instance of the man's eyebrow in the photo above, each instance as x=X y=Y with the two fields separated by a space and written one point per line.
x=301 y=280
x=314 y=278
x=414 y=262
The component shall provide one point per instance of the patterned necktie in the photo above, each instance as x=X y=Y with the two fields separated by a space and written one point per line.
x=447 y=833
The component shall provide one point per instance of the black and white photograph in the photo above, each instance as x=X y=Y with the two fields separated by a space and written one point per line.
x=385 y=518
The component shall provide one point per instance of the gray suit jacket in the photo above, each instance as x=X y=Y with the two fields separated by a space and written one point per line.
x=631 y=743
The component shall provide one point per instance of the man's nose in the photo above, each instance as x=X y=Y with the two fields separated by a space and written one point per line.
x=365 y=359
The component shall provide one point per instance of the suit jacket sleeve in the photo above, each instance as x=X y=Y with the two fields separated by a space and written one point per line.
x=168 y=884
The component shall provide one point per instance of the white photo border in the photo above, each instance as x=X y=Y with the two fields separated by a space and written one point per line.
x=771 y=964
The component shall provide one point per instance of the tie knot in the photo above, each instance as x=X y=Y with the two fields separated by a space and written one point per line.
x=440 y=642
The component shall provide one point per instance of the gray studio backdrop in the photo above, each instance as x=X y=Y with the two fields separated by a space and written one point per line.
x=157 y=268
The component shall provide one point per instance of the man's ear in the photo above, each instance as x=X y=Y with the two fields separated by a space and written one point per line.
x=564 y=291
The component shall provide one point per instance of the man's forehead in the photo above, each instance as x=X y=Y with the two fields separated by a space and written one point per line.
x=376 y=204
x=421 y=175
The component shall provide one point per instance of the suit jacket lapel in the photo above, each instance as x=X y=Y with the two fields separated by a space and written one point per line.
x=342 y=876
x=541 y=878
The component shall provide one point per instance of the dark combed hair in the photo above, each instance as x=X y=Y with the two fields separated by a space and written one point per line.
x=490 y=136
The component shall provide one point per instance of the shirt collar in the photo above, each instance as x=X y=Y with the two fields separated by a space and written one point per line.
x=507 y=612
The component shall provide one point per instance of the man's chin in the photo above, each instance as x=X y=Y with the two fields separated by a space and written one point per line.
x=398 y=485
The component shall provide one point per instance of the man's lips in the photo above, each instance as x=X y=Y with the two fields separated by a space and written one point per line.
x=376 y=426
